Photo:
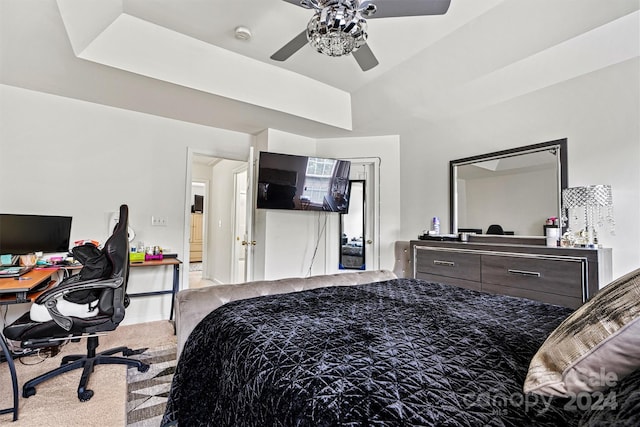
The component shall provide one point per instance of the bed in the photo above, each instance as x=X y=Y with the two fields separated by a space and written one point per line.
x=400 y=352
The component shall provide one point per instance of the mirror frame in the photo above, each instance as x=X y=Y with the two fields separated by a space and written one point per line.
x=559 y=144
x=363 y=266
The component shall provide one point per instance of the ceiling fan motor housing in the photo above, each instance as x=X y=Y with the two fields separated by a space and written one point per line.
x=338 y=28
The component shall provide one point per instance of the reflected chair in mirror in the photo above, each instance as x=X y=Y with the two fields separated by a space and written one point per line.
x=495 y=229
x=111 y=303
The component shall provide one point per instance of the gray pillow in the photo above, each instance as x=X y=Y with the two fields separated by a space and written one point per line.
x=595 y=347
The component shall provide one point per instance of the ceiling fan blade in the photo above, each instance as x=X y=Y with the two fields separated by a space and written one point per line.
x=296 y=2
x=365 y=57
x=395 y=8
x=292 y=47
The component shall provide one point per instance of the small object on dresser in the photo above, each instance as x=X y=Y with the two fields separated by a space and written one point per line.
x=435 y=225
x=136 y=257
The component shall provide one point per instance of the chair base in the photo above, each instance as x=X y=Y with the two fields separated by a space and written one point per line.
x=87 y=363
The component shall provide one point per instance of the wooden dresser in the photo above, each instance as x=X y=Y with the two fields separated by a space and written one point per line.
x=563 y=276
x=195 y=239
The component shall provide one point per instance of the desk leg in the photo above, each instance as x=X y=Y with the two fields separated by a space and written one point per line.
x=176 y=287
x=14 y=380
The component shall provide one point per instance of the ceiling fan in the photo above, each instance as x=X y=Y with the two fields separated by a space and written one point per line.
x=339 y=27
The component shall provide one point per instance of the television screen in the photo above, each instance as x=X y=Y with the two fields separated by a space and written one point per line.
x=198 y=205
x=304 y=183
x=23 y=234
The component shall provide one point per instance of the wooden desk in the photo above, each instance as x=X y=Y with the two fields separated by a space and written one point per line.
x=23 y=289
x=18 y=290
x=175 y=262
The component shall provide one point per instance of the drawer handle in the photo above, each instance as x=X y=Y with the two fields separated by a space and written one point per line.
x=444 y=263
x=525 y=273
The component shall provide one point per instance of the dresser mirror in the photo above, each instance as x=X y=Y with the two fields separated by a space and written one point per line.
x=517 y=189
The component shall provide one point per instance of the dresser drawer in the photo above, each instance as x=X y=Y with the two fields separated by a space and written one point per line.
x=555 y=276
x=449 y=264
x=567 y=301
x=461 y=283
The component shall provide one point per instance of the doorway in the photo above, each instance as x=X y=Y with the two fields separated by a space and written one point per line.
x=222 y=212
x=364 y=235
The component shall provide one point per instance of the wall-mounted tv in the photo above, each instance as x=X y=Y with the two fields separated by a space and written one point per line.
x=303 y=183
x=22 y=234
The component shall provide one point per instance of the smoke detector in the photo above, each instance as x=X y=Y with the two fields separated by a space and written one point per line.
x=242 y=33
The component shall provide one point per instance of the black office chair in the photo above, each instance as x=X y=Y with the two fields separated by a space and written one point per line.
x=112 y=302
x=495 y=229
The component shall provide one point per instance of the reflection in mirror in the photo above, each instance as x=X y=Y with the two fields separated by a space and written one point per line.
x=516 y=189
x=352 y=247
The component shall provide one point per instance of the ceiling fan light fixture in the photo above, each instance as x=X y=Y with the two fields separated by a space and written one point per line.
x=337 y=30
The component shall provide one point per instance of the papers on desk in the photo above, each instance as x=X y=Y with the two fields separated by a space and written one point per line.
x=14 y=271
x=9 y=260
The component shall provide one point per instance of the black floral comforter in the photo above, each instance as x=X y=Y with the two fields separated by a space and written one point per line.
x=397 y=353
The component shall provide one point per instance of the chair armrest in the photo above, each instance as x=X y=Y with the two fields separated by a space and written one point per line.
x=50 y=297
x=65 y=288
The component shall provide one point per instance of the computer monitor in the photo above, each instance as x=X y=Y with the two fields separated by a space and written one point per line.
x=23 y=234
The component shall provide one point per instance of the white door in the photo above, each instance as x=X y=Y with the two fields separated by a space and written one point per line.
x=250 y=244
x=243 y=243
x=239 y=273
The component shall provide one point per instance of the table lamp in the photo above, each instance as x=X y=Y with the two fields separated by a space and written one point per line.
x=588 y=208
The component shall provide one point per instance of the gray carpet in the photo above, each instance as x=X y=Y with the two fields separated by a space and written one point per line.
x=147 y=391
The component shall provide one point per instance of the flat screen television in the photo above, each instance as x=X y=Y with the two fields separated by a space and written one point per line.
x=198 y=205
x=23 y=234
x=302 y=183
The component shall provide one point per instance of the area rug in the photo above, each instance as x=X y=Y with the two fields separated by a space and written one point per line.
x=147 y=392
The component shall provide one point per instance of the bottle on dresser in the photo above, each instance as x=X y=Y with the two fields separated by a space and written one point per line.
x=435 y=226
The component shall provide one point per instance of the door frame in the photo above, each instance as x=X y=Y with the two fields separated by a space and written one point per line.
x=186 y=231
x=371 y=170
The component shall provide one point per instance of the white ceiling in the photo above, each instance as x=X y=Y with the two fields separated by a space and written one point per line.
x=273 y=23
x=478 y=54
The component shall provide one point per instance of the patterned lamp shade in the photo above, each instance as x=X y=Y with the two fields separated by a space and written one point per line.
x=588 y=208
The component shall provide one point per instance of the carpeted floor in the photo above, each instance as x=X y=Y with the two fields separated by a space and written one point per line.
x=147 y=391
x=56 y=402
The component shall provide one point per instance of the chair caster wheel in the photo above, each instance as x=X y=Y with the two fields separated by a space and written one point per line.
x=28 y=392
x=130 y=352
x=143 y=368
x=85 y=395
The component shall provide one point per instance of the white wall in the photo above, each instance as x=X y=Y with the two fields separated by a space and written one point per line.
x=287 y=240
x=387 y=150
x=82 y=159
x=597 y=112
x=67 y=157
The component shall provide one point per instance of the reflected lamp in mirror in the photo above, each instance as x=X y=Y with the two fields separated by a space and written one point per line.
x=587 y=210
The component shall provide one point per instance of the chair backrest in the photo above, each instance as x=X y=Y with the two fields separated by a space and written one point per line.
x=495 y=229
x=116 y=248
